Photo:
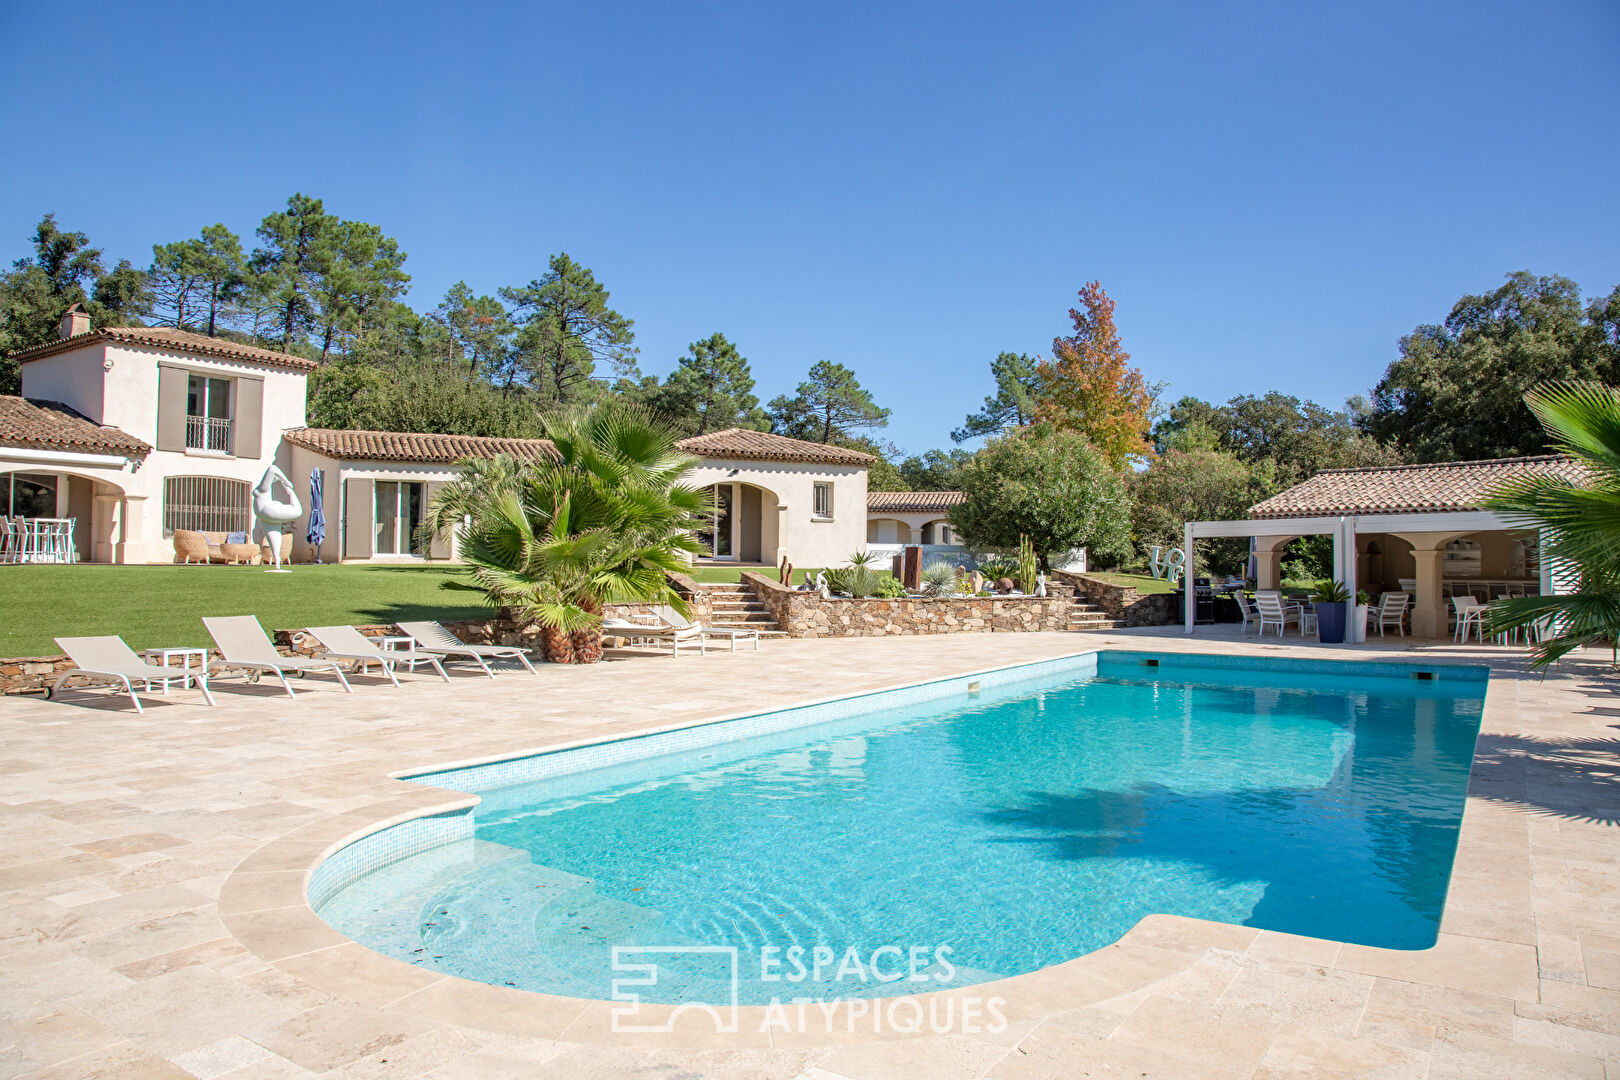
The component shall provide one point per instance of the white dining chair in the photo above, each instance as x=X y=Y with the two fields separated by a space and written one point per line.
x=1470 y=618
x=1392 y=611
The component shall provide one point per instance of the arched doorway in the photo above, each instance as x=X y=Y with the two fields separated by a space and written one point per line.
x=91 y=502
x=743 y=526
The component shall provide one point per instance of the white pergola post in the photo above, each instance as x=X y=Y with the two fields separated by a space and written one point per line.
x=1187 y=591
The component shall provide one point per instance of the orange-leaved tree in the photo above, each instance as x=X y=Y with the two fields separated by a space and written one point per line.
x=1089 y=385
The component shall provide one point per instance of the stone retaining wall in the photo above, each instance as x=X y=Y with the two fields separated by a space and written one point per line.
x=1123 y=603
x=810 y=615
x=27 y=674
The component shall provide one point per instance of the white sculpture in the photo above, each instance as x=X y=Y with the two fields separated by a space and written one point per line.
x=1168 y=566
x=1040 y=586
x=821 y=583
x=272 y=514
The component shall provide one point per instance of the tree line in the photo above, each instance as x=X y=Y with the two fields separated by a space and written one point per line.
x=332 y=290
x=312 y=283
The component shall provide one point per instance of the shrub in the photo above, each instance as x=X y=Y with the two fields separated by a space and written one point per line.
x=939 y=580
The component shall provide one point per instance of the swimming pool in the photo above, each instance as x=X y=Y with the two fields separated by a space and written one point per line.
x=943 y=835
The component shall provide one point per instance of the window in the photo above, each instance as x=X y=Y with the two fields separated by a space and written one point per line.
x=29 y=494
x=398 y=513
x=208 y=414
x=824 y=504
x=206 y=504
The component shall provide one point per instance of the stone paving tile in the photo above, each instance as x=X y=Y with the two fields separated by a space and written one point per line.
x=152 y=923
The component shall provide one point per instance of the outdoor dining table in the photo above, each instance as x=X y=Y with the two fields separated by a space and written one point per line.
x=43 y=540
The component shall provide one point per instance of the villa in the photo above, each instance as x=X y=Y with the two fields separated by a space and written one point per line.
x=131 y=433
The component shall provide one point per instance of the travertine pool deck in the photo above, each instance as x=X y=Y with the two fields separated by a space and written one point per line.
x=152 y=872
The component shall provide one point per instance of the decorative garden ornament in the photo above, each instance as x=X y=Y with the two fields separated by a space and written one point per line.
x=1040 y=583
x=273 y=513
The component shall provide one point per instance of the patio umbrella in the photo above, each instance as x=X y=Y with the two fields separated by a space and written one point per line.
x=317 y=517
x=1252 y=570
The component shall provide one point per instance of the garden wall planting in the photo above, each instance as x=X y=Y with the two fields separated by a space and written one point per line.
x=811 y=615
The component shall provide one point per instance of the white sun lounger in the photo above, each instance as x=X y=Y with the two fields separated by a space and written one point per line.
x=347 y=643
x=109 y=658
x=657 y=634
x=433 y=638
x=244 y=644
x=674 y=619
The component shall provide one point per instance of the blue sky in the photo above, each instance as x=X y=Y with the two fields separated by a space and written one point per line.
x=1272 y=194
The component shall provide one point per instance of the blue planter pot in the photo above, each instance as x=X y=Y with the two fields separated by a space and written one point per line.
x=1330 y=623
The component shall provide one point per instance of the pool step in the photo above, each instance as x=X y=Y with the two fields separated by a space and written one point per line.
x=531 y=926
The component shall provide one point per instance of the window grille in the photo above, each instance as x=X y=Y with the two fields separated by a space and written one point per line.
x=824 y=504
x=206 y=504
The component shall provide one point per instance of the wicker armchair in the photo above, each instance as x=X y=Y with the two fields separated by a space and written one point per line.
x=190 y=546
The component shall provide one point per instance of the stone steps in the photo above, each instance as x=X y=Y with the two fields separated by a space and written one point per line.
x=736 y=606
x=1084 y=615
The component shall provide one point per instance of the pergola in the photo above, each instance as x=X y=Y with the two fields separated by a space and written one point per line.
x=1424 y=506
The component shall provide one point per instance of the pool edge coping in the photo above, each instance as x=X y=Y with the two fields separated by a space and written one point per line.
x=274 y=920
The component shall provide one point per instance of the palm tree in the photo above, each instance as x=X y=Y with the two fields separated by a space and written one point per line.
x=604 y=521
x=1580 y=521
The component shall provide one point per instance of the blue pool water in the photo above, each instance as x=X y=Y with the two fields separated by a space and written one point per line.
x=975 y=836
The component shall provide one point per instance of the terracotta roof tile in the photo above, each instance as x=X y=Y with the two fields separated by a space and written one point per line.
x=902 y=501
x=36 y=424
x=166 y=337
x=741 y=444
x=412 y=446
x=1406 y=489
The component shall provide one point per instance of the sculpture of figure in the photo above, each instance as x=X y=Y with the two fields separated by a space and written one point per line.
x=273 y=514
x=1040 y=583
x=821 y=583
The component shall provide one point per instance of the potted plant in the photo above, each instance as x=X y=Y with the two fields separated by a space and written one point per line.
x=1358 y=621
x=1331 y=598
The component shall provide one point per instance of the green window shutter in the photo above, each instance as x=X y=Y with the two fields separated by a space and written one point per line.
x=247 y=437
x=439 y=548
x=357 y=538
x=171 y=418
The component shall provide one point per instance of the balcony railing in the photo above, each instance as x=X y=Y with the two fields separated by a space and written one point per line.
x=208 y=433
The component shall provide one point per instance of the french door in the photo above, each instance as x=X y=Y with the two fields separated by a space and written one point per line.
x=720 y=536
x=398 y=513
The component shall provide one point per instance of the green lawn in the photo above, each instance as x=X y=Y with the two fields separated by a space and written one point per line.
x=163 y=605
x=726 y=575
x=1142 y=583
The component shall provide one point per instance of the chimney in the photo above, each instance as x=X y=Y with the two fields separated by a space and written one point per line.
x=74 y=322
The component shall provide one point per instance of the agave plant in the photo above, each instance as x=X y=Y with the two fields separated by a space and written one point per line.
x=1580 y=523
x=859 y=579
x=939 y=579
x=604 y=521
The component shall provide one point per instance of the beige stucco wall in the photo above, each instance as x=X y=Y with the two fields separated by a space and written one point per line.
x=805 y=540
x=297 y=462
x=125 y=395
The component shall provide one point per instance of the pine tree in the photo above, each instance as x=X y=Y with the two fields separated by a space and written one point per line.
x=828 y=407
x=567 y=329
x=298 y=247
x=1013 y=403
x=711 y=389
